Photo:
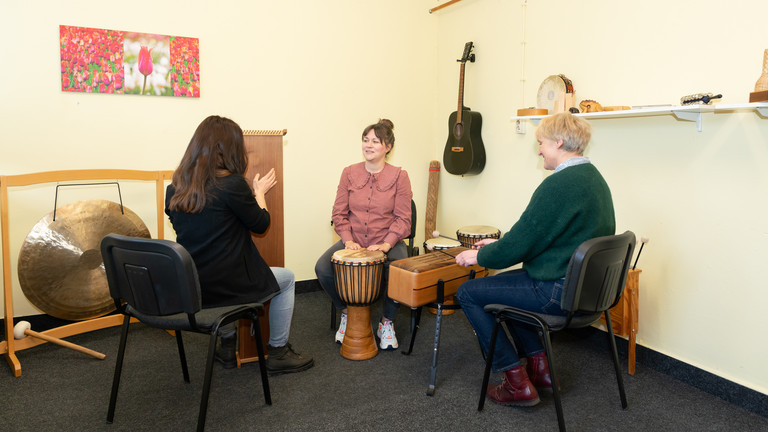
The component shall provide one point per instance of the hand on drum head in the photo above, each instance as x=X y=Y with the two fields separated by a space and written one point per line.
x=384 y=247
x=483 y=242
x=351 y=245
x=467 y=258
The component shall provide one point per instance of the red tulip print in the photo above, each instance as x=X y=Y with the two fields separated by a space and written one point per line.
x=112 y=61
x=145 y=64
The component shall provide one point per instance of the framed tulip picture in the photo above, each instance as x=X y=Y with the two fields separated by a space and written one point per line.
x=120 y=62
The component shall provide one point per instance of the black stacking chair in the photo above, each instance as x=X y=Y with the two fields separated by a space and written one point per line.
x=156 y=282
x=412 y=251
x=593 y=284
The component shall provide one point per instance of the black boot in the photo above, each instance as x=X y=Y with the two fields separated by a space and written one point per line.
x=225 y=353
x=284 y=359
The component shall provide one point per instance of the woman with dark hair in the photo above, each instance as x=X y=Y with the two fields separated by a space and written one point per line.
x=569 y=207
x=213 y=211
x=372 y=211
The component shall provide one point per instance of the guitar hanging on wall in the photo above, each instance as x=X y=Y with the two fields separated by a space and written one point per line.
x=464 y=152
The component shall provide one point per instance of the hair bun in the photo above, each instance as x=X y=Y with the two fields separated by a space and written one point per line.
x=387 y=122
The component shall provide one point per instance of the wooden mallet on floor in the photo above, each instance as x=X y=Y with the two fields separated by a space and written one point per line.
x=22 y=329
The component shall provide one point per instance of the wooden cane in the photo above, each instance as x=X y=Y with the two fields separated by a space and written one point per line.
x=23 y=329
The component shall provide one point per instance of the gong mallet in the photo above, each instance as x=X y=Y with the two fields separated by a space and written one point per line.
x=23 y=328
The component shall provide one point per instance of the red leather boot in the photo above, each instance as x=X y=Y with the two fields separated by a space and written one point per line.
x=515 y=389
x=538 y=371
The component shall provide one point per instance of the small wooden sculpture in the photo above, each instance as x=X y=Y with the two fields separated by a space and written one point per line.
x=589 y=105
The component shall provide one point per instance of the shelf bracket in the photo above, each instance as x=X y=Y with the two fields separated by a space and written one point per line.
x=763 y=111
x=689 y=116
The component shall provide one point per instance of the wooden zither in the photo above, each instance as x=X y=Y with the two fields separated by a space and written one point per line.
x=413 y=281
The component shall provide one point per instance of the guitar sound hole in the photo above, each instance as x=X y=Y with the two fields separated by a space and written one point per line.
x=458 y=130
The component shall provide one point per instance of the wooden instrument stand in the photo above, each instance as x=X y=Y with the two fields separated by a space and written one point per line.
x=426 y=280
x=624 y=316
x=9 y=347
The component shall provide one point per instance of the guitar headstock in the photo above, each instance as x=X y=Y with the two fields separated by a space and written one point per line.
x=468 y=55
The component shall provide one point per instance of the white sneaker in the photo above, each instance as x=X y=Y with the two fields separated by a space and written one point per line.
x=386 y=334
x=342 y=329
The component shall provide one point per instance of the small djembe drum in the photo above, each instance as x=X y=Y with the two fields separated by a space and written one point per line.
x=440 y=243
x=358 y=275
x=472 y=234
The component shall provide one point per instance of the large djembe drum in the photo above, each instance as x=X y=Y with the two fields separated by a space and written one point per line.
x=471 y=234
x=358 y=275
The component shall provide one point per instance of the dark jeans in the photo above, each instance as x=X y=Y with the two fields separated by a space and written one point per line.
x=513 y=288
x=325 y=275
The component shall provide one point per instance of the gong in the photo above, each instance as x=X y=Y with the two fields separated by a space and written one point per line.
x=60 y=267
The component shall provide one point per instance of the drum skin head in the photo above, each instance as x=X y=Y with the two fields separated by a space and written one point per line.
x=358 y=256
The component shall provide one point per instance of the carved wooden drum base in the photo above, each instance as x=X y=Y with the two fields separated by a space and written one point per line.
x=359 y=343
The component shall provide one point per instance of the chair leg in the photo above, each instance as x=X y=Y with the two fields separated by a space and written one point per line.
x=262 y=363
x=207 y=381
x=182 y=356
x=488 y=363
x=615 y=357
x=555 y=387
x=333 y=316
x=118 y=369
x=415 y=319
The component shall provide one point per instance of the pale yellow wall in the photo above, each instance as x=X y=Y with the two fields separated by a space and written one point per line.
x=324 y=70
x=321 y=70
x=698 y=196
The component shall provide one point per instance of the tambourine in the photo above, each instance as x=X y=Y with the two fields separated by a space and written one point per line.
x=550 y=88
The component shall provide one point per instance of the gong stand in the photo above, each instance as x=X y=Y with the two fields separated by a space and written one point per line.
x=9 y=347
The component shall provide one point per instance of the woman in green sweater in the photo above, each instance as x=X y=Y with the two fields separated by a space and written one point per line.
x=570 y=206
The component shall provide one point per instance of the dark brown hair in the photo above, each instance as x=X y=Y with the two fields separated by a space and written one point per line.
x=215 y=150
x=384 y=131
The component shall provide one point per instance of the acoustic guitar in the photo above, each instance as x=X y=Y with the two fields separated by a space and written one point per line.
x=464 y=152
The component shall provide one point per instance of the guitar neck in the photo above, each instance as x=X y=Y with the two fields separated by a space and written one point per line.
x=460 y=109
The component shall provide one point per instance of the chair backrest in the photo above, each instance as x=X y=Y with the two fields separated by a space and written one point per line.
x=412 y=235
x=154 y=276
x=597 y=273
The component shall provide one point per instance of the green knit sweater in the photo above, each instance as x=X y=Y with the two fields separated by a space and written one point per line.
x=568 y=208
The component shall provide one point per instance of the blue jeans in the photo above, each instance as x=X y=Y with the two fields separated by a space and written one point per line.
x=513 y=288
x=325 y=275
x=281 y=307
x=280 y=310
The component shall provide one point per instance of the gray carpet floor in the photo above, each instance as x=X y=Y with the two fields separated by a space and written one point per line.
x=63 y=390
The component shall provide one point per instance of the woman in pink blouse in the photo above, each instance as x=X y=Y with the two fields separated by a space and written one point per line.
x=372 y=210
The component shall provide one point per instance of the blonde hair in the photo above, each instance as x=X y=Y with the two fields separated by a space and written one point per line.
x=574 y=131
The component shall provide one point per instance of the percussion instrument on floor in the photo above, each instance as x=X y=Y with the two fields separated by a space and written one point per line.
x=358 y=276
x=426 y=280
x=60 y=267
x=414 y=281
x=471 y=234
x=440 y=243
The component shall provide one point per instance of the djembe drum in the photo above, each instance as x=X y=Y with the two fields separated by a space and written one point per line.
x=440 y=243
x=471 y=234
x=358 y=275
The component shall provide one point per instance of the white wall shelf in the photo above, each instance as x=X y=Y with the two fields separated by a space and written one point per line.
x=691 y=113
